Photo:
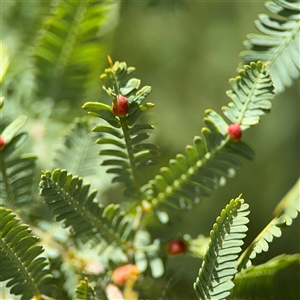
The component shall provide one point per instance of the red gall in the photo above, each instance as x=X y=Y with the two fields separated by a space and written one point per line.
x=234 y=131
x=176 y=246
x=120 y=106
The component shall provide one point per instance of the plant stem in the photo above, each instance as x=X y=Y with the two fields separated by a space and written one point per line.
x=135 y=179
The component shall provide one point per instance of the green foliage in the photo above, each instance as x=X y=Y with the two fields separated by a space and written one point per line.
x=17 y=171
x=215 y=156
x=84 y=291
x=107 y=237
x=78 y=154
x=70 y=201
x=219 y=263
x=278 y=43
x=148 y=254
x=251 y=93
x=21 y=263
x=5 y=62
x=277 y=279
x=12 y=129
x=286 y=212
x=125 y=134
x=69 y=47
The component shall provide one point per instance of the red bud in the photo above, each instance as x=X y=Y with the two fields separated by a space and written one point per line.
x=176 y=246
x=2 y=142
x=120 y=108
x=234 y=131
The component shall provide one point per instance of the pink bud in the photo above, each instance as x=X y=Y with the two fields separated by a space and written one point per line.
x=234 y=131
x=122 y=274
x=120 y=107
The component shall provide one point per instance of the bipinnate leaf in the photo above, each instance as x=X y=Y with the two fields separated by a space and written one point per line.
x=214 y=156
x=286 y=212
x=125 y=136
x=278 y=42
x=71 y=201
x=251 y=93
x=220 y=261
x=71 y=46
x=22 y=266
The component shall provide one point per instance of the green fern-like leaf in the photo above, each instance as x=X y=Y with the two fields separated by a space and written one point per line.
x=277 y=279
x=278 y=43
x=71 y=202
x=125 y=134
x=78 y=155
x=84 y=291
x=16 y=179
x=219 y=264
x=21 y=264
x=213 y=157
x=287 y=211
x=71 y=46
x=17 y=172
x=251 y=93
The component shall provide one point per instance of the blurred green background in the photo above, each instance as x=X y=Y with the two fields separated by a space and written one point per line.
x=187 y=53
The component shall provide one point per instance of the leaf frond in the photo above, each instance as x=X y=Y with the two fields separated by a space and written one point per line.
x=71 y=202
x=278 y=42
x=126 y=133
x=71 y=42
x=213 y=157
x=219 y=264
x=287 y=211
x=21 y=264
x=251 y=93
x=78 y=155
x=277 y=279
x=17 y=172
x=16 y=179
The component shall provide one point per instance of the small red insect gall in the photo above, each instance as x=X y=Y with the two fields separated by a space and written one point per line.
x=2 y=142
x=234 y=131
x=120 y=108
x=122 y=274
x=176 y=246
